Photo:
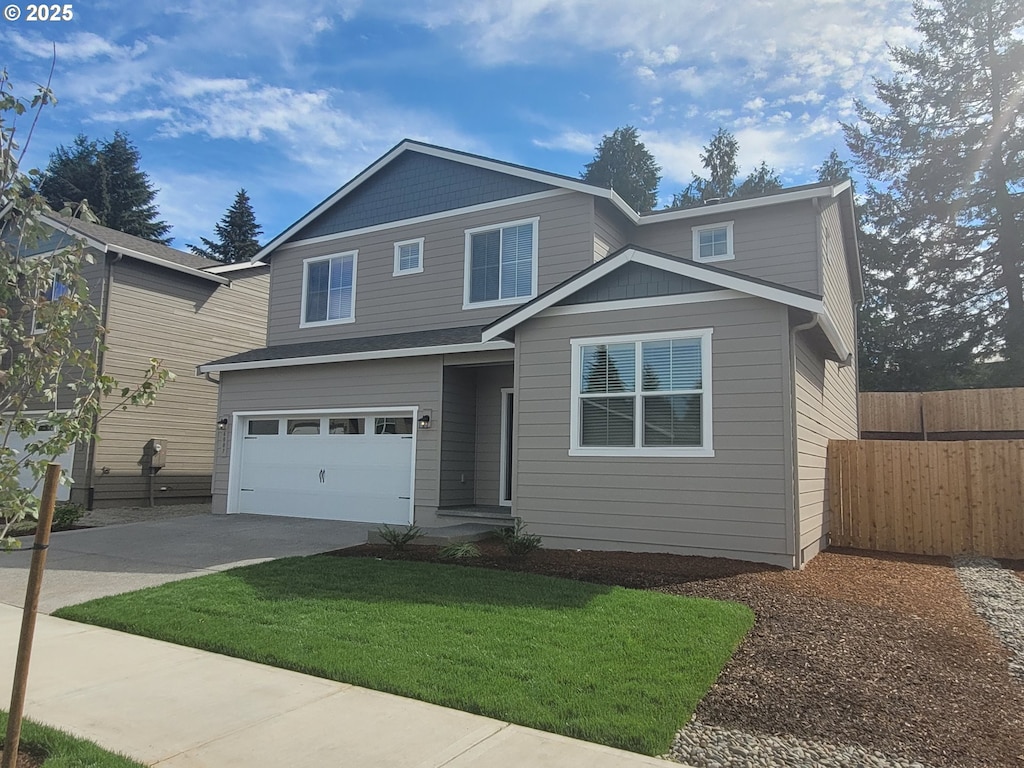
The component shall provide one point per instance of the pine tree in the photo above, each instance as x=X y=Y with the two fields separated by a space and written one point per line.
x=719 y=160
x=834 y=168
x=760 y=181
x=237 y=231
x=107 y=174
x=947 y=149
x=623 y=163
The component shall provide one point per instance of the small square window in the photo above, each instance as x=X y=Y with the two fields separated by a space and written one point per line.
x=392 y=425
x=303 y=426
x=346 y=426
x=409 y=257
x=264 y=426
x=713 y=242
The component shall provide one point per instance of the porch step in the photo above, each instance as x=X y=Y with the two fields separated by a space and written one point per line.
x=496 y=516
x=444 y=534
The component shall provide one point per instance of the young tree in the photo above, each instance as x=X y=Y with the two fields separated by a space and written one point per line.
x=623 y=163
x=107 y=174
x=237 y=231
x=947 y=147
x=49 y=334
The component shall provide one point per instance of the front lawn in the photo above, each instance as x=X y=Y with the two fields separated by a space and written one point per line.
x=615 y=666
x=56 y=749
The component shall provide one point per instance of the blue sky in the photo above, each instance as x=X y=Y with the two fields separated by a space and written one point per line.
x=290 y=99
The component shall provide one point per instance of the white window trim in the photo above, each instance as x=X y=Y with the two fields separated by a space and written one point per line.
x=36 y=329
x=398 y=250
x=730 y=242
x=705 y=450
x=305 y=284
x=466 y=304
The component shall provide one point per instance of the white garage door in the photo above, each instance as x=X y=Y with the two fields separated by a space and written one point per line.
x=25 y=477
x=335 y=467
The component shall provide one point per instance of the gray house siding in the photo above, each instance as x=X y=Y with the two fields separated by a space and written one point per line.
x=415 y=184
x=432 y=299
x=610 y=231
x=733 y=504
x=183 y=321
x=458 y=437
x=637 y=281
x=777 y=243
x=412 y=381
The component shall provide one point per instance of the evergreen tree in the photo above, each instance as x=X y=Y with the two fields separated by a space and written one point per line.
x=623 y=163
x=834 y=169
x=107 y=174
x=947 y=151
x=719 y=160
x=238 y=234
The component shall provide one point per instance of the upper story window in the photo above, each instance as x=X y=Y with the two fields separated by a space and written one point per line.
x=642 y=395
x=329 y=289
x=501 y=264
x=409 y=257
x=713 y=242
x=54 y=291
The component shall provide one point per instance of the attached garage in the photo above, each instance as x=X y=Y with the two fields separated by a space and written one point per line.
x=332 y=465
x=25 y=477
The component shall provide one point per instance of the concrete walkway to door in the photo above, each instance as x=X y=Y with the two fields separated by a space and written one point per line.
x=95 y=562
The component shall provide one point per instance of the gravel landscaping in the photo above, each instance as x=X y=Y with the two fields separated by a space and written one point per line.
x=868 y=658
x=998 y=597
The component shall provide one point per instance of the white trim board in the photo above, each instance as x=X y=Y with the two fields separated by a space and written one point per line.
x=644 y=303
x=379 y=354
x=732 y=282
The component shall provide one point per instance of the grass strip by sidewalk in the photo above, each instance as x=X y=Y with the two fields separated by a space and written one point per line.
x=610 y=665
x=62 y=750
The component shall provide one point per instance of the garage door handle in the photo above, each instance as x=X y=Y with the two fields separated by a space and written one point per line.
x=323 y=474
x=247 y=489
x=405 y=497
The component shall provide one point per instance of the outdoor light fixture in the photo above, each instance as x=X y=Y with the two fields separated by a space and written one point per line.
x=222 y=423
x=424 y=421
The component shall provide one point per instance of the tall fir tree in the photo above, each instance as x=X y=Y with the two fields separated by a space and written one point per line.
x=719 y=159
x=946 y=152
x=238 y=234
x=623 y=163
x=107 y=174
x=834 y=168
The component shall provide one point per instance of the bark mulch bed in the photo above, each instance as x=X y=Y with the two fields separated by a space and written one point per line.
x=862 y=648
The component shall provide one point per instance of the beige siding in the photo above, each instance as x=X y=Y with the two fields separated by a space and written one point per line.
x=489 y=384
x=836 y=276
x=414 y=381
x=777 y=243
x=732 y=504
x=184 y=321
x=433 y=298
x=611 y=232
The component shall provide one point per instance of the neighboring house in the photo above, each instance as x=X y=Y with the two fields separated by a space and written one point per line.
x=157 y=302
x=451 y=335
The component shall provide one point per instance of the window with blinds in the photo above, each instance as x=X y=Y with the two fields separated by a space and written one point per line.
x=501 y=263
x=648 y=395
x=409 y=257
x=329 y=289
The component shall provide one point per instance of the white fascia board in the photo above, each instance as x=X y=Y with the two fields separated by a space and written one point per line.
x=379 y=354
x=833 y=335
x=686 y=269
x=425 y=218
x=205 y=275
x=220 y=270
x=721 y=209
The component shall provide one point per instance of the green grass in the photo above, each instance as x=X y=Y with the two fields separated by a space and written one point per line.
x=62 y=750
x=611 y=665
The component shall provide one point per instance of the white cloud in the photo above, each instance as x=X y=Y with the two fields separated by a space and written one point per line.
x=77 y=47
x=571 y=141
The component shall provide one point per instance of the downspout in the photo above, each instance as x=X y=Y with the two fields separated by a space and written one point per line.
x=795 y=479
x=108 y=279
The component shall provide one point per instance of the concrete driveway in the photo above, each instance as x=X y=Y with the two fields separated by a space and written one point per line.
x=82 y=565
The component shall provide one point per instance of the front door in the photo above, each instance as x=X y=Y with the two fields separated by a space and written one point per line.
x=507 y=413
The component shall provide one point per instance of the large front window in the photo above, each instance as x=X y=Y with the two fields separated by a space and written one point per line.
x=329 y=289
x=501 y=263
x=642 y=395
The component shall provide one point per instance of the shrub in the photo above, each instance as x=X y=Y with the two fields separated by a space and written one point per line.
x=399 y=538
x=517 y=541
x=66 y=515
x=467 y=550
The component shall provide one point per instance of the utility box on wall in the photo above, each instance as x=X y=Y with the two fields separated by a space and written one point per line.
x=154 y=455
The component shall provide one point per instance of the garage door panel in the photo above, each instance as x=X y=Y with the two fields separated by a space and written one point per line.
x=25 y=477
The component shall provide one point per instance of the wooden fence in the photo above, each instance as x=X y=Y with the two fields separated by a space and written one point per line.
x=961 y=410
x=928 y=498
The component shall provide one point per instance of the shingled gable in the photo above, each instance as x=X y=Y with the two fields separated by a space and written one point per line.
x=703 y=276
x=480 y=187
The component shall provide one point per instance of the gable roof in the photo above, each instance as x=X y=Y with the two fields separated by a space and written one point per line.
x=706 y=273
x=479 y=161
x=105 y=239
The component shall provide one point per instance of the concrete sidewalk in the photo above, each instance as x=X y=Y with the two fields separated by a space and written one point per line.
x=170 y=706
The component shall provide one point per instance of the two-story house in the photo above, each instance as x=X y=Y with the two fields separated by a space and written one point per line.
x=450 y=332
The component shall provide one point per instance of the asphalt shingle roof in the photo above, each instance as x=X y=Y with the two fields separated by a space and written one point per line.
x=114 y=239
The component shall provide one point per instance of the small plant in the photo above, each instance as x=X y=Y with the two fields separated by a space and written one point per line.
x=399 y=538
x=467 y=550
x=66 y=515
x=517 y=541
